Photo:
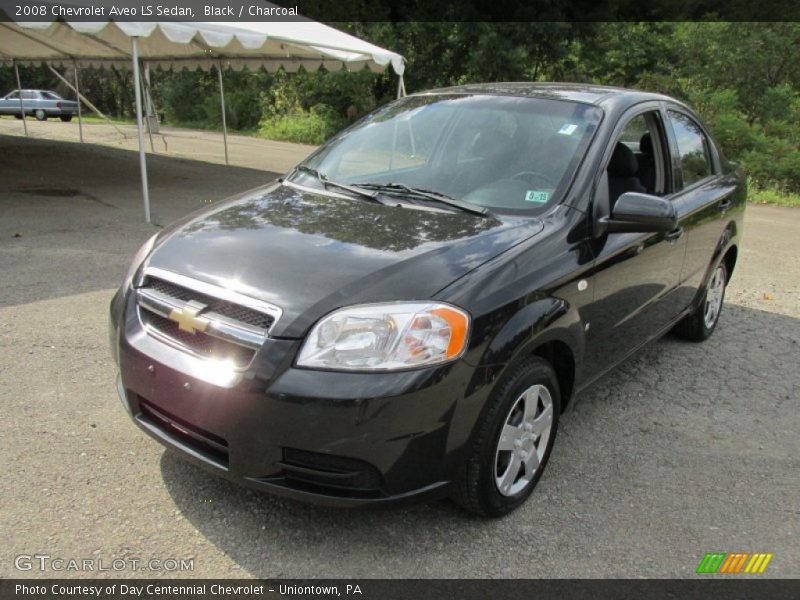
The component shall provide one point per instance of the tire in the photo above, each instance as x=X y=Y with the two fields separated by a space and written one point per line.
x=66 y=118
x=18 y=117
x=478 y=485
x=40 y=115
x=702 y=321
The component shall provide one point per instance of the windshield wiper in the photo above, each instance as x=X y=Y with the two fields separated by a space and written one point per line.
x=326 y=183
x=428 y=195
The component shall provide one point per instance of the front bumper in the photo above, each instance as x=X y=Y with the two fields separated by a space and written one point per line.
x=341 y=439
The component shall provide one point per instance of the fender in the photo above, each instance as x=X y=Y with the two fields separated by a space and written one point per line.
x=543 y=320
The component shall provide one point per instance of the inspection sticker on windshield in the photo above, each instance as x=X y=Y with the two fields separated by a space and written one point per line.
x=567 y=129
x=536 y=196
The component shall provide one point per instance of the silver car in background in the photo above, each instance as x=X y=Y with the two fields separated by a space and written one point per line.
x=39 y=103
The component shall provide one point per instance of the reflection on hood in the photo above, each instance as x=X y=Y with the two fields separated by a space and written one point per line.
x=309 y=253
x=351 y=221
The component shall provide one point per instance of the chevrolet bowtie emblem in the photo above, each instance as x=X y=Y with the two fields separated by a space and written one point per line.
x=188 y=318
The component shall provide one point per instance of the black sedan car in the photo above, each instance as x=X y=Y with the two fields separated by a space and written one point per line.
x=408 y=312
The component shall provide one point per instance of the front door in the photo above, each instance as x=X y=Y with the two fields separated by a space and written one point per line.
x=636 y=275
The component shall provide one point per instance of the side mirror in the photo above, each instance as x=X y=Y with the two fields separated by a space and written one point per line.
x=640 y=213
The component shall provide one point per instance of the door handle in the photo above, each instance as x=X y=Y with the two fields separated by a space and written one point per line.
x=673 y=235
x=725 y=204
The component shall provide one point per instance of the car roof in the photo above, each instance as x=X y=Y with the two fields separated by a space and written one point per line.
x=576 y=92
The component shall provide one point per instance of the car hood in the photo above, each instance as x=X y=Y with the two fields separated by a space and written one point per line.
x=309 y=252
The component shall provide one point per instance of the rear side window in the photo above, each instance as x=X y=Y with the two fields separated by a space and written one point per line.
x=692 y=147
x=28 y=95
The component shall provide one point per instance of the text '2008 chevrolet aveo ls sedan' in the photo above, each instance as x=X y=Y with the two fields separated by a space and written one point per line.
x=407 y=313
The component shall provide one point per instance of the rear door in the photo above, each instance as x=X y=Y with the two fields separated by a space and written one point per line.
x=702 y=195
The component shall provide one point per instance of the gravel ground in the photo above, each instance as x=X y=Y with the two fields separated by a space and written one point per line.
x=684 y=449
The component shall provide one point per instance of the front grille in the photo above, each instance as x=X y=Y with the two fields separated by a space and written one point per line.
x=215 y=322
x=205 y=443
x=201 y=344
x=329 y=473
x=237 y=312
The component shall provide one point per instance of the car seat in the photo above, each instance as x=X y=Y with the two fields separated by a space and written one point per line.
x=622 y=169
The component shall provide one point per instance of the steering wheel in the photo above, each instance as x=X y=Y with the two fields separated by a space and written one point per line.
x=535 y=177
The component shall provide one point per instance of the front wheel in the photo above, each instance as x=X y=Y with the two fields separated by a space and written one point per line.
x=513 y=441
x=701 y=322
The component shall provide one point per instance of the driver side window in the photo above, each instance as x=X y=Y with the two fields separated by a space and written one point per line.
x=637 y=162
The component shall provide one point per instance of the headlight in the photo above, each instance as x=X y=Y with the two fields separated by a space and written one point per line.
x=138 y=258
x=380 y=337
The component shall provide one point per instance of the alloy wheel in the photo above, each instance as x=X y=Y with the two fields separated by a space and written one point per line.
x=714 y=294
x=523 y=440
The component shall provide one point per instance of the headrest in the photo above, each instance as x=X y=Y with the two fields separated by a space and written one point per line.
x=623 y=162
x=646 y=144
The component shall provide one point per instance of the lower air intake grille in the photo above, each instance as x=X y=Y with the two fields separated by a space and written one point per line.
x=205 y=443
x=334 y=473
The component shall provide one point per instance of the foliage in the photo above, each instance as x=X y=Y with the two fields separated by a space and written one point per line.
x=312 y=126
x=310 y=107
x=743 y=78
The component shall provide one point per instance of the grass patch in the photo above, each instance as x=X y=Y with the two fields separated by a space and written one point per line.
x=206 y=126
x=772 y=196
x=201 y=125
x=95 y=119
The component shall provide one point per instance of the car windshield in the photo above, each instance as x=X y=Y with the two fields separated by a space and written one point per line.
x=507 y=154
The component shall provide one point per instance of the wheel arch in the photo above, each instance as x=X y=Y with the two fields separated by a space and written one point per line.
x=549 y=328
x=726 y=251
x=561 y=357
x=729 y=258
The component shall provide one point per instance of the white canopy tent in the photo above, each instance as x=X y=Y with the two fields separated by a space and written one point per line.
x=271 y=45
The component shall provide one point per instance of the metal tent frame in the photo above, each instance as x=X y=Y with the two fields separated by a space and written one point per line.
x=253 y=44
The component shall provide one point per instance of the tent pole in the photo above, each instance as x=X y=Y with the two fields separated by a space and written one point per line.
x=86 y=101
x=148 y=107
x=222 y=105
x=139 y=127
x=21 y=106
x=148 y=102
x=78 y=98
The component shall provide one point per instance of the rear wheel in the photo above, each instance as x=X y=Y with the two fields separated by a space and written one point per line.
x=513 y=441
x=40 y=115
x=66 y=118
x=18 y=117
x=700 y=323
